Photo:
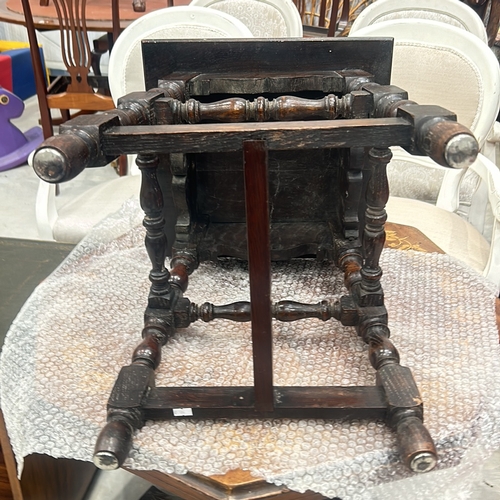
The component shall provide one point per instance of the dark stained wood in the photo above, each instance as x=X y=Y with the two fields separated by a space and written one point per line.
x=204 y=84
x=289 y=56
x=284 y=310
x=259 y=264
x=279 y=136
x=51 y=478
x=288 y=402
x=377 y=195
x=156 y=241
x=237 y=109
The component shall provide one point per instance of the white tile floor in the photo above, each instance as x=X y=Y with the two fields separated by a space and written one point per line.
x=18 y=189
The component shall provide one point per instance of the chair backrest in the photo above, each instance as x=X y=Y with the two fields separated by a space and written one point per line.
x=265 y=18
x=125 y=63
x=77 y=57
x=453 y=12
x=444 y=65
x=324 y=13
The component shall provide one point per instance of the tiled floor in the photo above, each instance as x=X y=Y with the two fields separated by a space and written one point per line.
x=18 y=189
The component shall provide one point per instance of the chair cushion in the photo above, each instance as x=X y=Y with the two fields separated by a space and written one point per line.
x=408 y=179
x=78 y=216
x=454 y=235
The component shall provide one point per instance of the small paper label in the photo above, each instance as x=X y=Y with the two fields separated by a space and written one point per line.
x=182 y=412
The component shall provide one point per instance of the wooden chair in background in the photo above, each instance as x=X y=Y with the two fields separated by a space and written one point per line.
x=73 y=91
x=451 y=12
x=79 y=90
x=489 y=12
x=324 y=14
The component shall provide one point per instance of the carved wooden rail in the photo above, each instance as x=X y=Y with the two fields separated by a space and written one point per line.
x=434 y=130
x=285 y=108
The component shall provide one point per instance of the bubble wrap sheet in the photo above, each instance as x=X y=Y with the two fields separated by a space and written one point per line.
x=64 y=350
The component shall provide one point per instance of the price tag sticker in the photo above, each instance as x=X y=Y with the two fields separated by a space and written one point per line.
x=182 y=412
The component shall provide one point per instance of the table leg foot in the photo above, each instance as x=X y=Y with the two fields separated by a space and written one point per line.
x=113 y=445
x=416 y=446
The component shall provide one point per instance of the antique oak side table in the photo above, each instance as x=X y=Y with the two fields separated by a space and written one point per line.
x=274 y=150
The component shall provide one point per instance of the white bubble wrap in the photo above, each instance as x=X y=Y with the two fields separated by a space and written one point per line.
x=64 y=350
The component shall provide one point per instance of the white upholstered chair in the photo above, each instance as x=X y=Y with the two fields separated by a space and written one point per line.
x=265 y=18
x=440 y=64
x=173 y=22
x=453 y=12
x=472 y=236
x=98 y=197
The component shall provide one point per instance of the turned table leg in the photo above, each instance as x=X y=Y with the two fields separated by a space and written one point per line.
x=405 y=406
x=135 y=381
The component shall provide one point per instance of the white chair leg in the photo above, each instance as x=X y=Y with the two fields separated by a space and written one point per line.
x=448 y=198
x=46 y=212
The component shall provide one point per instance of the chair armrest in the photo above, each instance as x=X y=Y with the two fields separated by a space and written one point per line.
x=490 y=145
x=494 y=134
x=46 y=212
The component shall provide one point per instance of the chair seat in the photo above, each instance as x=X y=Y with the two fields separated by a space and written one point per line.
x=454 y=235
x=77 y=217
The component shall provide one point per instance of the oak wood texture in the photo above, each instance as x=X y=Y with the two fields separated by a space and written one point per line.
x=309 y=56
x=259 y=264
x=221 y=137
x=347 y=223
